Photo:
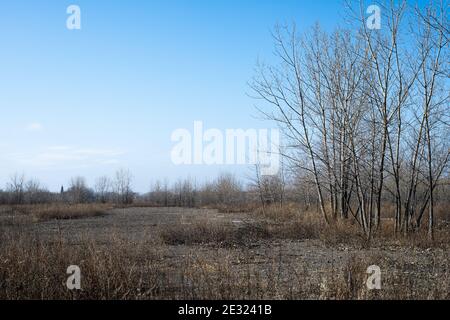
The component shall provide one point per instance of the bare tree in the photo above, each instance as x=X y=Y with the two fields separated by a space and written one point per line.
x=434 y=98
x=103 y=188
x=16 y=188
x=123 y=186
x=270 y=189
x=78 y=191
x=35 y=193
x=227 y=189
x=354 y=105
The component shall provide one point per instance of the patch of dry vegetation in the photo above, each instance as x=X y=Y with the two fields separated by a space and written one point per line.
x=33 y=269
x=202 y=231
x=291 y=223
x=400 y=281
x=61 y=211
x=205 y=258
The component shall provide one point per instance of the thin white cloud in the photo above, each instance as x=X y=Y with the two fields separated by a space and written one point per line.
x=58 y=148
x=36 y=126
x=110 y=161
x=97 y=152
x=65 y=155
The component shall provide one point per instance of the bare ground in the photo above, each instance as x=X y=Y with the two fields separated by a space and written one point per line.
x=306 y=268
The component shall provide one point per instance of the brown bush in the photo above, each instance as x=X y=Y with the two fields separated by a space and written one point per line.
x=57 y=211
x=203 y=231
x=241 y=233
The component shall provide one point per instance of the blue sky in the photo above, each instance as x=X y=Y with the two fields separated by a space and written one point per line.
x=87 y=102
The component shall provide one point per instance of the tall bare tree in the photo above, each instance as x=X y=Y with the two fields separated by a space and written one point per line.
x=355 y=104
x=103 y=188
x=123 y=186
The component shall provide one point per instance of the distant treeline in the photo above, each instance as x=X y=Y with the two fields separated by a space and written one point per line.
x=226 y=192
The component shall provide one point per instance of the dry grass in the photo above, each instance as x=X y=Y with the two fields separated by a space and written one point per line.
x=397 y=281
x=209 y=259
x=259 y=226
x=205 y=232
x=233 y=208
x=292 y=224
x=59 y=211
x=33 y=269
x=442 y=211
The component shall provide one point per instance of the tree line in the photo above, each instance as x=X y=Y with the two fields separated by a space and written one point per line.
x=224 y=191
x=118 y=189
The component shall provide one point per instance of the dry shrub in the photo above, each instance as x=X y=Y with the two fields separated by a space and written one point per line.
x=278 y=213
x=231 y=275
x=59 y=211
x=233 y=208
x=203 y=231
x=343 y=232
x=421 y=239
x=442 y=211
x=345 y=284
x=399 y=280
x=290 y=223
x=295 y=223
x=386 y=235
x=225 y=234
x=34 y=269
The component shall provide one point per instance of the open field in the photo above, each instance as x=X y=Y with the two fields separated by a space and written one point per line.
x=219 y=150
x=175 y=253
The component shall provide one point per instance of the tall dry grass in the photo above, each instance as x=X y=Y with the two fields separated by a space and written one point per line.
x=61 y=211
x=34 y=269
x=207 y=259
x=296 y=223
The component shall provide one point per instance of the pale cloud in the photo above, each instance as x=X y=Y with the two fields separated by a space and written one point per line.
x=97 y=152
x=36 y=126
x=70 y=156
x=111 y=161
x=58 y=148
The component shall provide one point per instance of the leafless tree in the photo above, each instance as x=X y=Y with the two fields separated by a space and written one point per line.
x=36 y=193
x=16 y=188
x=228 y=189
x=123 y=186
x=269 y=189
x=78 y=191
x=354 y=105
x=103 y=188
